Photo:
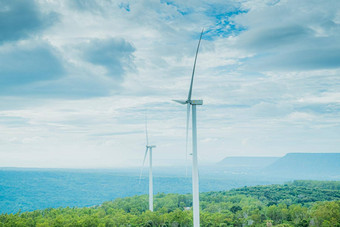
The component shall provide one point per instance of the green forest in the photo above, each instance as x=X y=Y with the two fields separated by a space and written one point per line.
x=299 y=203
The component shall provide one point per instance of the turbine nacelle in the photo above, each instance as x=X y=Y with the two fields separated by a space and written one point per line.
x=191 y=102
x=196 y=102
x=150 y=146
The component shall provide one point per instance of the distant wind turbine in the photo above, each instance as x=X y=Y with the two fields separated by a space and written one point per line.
x=148 y=148
x=193 y=104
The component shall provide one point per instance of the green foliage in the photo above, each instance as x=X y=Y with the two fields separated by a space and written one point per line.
x=300 y=203
x=298 y=192
x=327 y=213
x=333 y=185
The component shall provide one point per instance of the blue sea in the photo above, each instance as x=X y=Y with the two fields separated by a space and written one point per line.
x=30 y=189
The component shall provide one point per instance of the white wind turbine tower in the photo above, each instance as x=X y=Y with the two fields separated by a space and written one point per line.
x=193 y=103
x=148 y=148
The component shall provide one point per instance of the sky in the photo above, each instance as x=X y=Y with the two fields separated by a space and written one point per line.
x=78 y=77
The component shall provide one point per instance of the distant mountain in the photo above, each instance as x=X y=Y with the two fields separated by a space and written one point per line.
x=302 y=165
x=248 y=162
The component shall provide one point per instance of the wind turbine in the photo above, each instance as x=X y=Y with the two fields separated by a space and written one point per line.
x=148 y=148
x=193 y=104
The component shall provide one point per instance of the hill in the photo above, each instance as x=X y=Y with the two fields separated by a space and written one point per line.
x=300 y=203
x=248 y=162
x=307 y=165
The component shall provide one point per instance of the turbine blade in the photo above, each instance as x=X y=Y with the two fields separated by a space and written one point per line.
x=141 y=171
x=193 y=70
x=146 y=129
x=180 y=101
x=186 y=139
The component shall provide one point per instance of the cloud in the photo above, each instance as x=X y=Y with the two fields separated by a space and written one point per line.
x=114 y=54
x=20 y=19
x=299 y=60
x=36 y=68
x=27 y=63
x=290 y=35
x=263 y=67
x=69 y=87
x=84 y=5
x=272 y=37
x=13 y=121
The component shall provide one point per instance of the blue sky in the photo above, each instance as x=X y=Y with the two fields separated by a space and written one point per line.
x=77 y=76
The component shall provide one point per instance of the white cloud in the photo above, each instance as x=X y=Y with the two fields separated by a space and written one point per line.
x=270 y=89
